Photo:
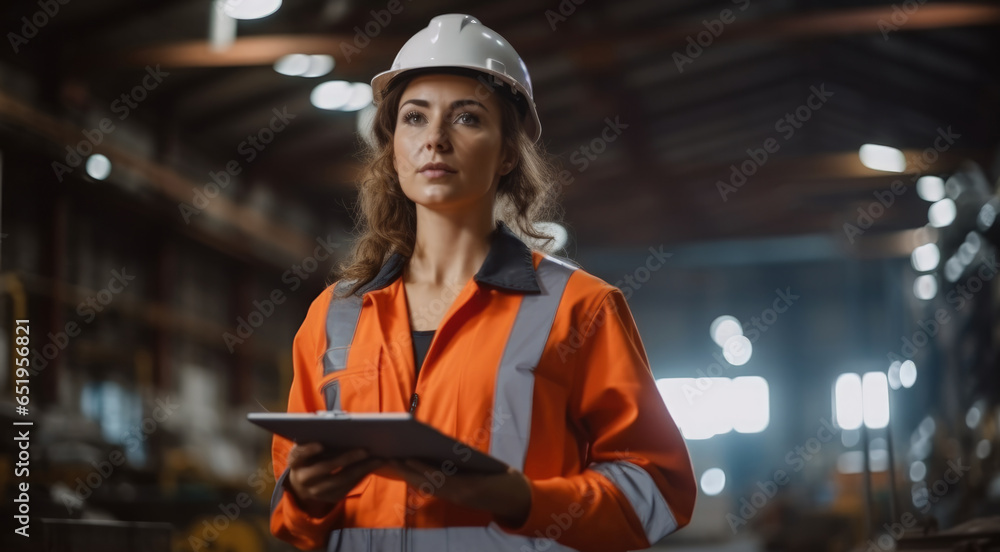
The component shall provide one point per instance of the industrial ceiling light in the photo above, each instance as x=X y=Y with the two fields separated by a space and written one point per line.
x=723 y=328
x=293 y=65
x=926 y=257
x=250 y=9
x=882 y=158
x=908 y=373
x=331 y=95
x=942 y=213
x=319 y=65
x=341 y=95
x=737 y=350
x=925 y=288
x=361 y=96
x=930 y=188
x=304 y=65
x=713 y=481
x=98 y=166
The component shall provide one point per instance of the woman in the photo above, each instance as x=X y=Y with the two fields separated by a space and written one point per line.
x=524 y=356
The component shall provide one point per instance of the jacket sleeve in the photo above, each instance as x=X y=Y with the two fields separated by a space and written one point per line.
x=639 y=485
x=288 y=522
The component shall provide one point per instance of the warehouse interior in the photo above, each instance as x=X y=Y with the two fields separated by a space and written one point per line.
x=798 y=198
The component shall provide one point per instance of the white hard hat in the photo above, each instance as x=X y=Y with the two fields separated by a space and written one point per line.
x=457 y=40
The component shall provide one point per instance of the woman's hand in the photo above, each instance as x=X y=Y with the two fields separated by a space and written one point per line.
x=318 y=482
x=506 y=495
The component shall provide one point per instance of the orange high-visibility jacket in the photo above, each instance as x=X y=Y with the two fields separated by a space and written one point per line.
x=537 y=363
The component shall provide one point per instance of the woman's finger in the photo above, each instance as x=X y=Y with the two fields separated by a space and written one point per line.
x=340 y=460
x=302 y=453
x=320 y=470
x=335 y=487
x=358 y=470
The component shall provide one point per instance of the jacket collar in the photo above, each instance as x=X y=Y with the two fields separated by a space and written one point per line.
x=508 y=265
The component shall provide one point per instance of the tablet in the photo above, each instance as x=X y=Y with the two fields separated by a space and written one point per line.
x=390 y=435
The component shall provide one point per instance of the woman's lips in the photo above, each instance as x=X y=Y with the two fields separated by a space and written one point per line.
x=435 y=173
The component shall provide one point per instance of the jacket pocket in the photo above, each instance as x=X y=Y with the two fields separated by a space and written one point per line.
x=354 y=389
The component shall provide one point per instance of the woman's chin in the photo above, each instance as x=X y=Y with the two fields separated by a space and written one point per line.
x=433 y=194
x=443 y=196
x=439 y=206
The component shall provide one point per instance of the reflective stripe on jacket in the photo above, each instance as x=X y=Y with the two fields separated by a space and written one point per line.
x=537 y=363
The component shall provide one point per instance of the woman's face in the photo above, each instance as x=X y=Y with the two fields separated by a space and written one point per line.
x=443 y=120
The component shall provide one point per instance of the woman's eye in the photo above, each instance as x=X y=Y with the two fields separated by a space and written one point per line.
x=408 y=118
x=464 y=118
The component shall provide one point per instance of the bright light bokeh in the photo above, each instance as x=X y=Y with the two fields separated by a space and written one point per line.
x=942 y=213
x=303 y=65
x=752 y=399
x=319 y=65
x=341 y=95
x=361 y=96
x=882 y=158
x=706 y=407
x=98 y=166
x=861 y=399
x=925 y=287
x=292 y=64
x=875 y=399
x=331 y=94
x=723 y=328
x=926 y=257
x=737 y=350
x=847 y=401
x=713 y=481
x=249 y=9
x=930 y=188
x=893 y=375
x=907 y=373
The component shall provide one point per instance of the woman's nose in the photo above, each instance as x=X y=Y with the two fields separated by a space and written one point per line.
x=437 y=137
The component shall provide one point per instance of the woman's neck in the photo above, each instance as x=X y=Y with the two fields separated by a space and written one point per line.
x=448 y=249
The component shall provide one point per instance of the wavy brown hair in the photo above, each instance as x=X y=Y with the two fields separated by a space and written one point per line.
x=386 y=220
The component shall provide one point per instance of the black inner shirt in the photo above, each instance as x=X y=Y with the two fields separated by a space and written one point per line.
x=421 y=342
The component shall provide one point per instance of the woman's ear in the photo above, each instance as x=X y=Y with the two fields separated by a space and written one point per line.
x=508 y=163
